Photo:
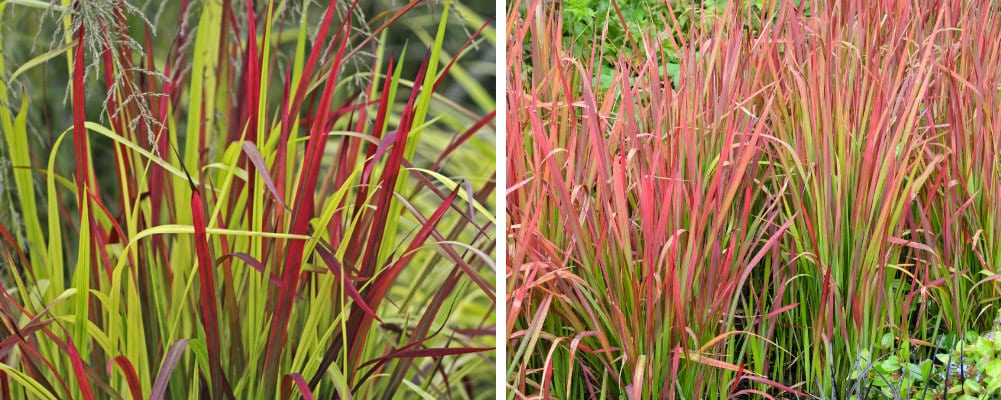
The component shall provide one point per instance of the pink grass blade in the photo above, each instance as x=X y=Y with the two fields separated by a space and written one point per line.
x=171 y=358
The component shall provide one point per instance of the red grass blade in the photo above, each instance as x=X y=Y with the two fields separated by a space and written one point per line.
x=376 y=291
x=253 y=263
x=391 y=172
x=130 y=374
x=83 y=382
x=336 y=269
x=79 y=117
x=206 y=283
x=299 y=382
x=487 y=119
x=418 y=353
x=303 y=211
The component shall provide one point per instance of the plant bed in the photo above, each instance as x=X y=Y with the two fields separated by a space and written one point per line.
x=249 y=199
x=819 y=176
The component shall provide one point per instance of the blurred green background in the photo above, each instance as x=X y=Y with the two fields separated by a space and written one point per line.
x=34 y=32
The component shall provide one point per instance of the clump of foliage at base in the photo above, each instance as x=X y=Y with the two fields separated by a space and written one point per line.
x=807 y=187
x=284 y=207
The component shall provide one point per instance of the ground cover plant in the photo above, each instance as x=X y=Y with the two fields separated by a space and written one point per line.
x=288 y=204
x=816 y=194
x=628 y=21
x=969 y=370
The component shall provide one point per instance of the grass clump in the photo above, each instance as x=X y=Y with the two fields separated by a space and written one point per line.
x=818 y=177
x=294 y=211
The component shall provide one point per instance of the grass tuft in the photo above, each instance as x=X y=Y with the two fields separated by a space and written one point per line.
x=263 y=200
x=747 y=205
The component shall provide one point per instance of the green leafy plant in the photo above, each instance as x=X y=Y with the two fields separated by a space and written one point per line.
x=968 y=369
x=623 y=26
x=295 y=212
